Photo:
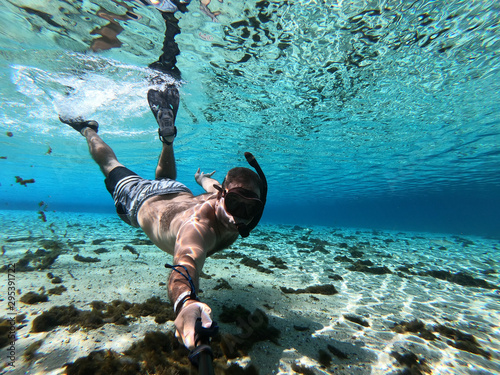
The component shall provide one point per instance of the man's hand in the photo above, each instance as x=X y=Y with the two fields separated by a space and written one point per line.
x=208 y=12
x=186 y=320
x=206 y=181
x=198 y=176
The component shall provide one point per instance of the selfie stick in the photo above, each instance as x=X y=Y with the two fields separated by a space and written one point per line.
x=201 y=356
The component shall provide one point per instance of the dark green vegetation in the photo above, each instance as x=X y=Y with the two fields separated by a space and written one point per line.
x=453 y=337
x=41 y=259
x=327 y=290
x=57 y=290
x=254 y=327
x=49 y=250
x=31 y=298
x=357 y=319
x=83 y=259
x=54 y=279
x=31 y=351
x=5 y=327
x=411 y=363
x=159 y=352
x=7 y=333
x=131 y=249
x=116 y=312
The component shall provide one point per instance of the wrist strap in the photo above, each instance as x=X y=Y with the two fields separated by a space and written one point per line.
x=183 y=297
x=187 y=277
x=179 y=303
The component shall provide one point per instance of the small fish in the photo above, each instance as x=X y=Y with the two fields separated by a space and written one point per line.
x=24 y=182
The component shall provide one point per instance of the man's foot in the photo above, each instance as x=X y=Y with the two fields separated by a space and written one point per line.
x=80 y=124
x=164 y=105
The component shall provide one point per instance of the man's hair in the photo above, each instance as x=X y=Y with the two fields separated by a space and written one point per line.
x=243 y=176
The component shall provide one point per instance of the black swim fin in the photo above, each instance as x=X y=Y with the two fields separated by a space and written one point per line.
x=79 y=124
x=164 y=105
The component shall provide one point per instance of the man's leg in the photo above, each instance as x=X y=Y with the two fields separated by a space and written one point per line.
x=102 y=154
x=166 y=162
x=164 y=104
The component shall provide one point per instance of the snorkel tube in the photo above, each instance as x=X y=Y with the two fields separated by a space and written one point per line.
x=244 y=229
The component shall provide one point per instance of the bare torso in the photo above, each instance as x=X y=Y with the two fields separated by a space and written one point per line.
x=163 y=217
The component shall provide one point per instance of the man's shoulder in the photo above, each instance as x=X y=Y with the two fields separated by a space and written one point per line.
x=183 y=197
x=205 y=196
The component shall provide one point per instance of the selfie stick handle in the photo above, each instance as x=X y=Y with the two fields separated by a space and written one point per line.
x=202 y=355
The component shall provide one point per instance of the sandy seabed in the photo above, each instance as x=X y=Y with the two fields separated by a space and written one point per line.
x=318 y=300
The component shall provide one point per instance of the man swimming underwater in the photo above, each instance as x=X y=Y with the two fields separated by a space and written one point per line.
x=188 y=227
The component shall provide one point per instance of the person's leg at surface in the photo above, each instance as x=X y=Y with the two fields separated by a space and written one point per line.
x=164 y=104
x=168 y=60
x=102 y=154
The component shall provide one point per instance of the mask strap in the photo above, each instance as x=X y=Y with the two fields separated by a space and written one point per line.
x=263 y=194
x=219 y=189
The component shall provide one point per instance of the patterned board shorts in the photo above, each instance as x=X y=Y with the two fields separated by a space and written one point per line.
x=130 y=191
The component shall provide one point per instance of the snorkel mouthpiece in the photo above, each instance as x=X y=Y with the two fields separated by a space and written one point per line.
x=244 y=229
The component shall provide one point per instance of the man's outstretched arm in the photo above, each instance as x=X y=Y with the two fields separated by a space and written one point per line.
x=193 y=242
x=206 y=181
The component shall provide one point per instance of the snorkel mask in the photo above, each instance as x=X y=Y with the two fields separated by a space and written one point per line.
x=245 y=204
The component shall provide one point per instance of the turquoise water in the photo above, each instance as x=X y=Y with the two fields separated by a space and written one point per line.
x=373 y=115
